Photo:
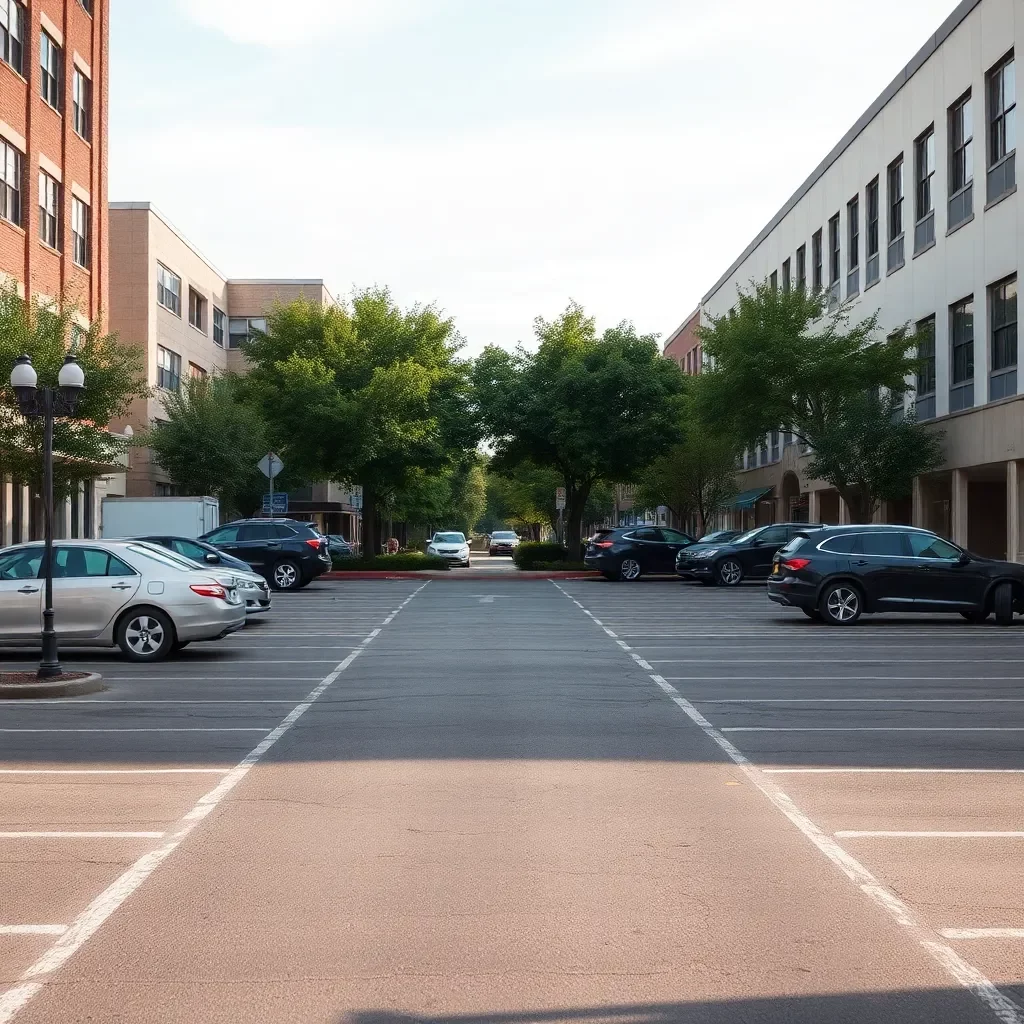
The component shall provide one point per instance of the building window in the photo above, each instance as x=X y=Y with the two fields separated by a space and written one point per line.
x=816 y=260
x=894 y=178
x=218 y=326
x=961 y=162
x=241 y=329
x=773 y=280
x=87 y=4
x=196 y=372
x=834 y=266
x=49 y=59
x=924 y=172
x=1002 y=129
x=775 y=441
x=82 y=104
x=853 y=246
x=961 y=351
x=80 y=231
x=196 y=310
x=871 y=271
x=10 y=183
x=168 y=369
x=49 y=210
x=787 y=277
x=12 y=34
x=801 y=267
x=1003 y=311
x=168 y=289
x=926 y=368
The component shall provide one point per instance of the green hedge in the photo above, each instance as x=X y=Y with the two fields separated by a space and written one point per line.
x=405 y=562
x=527 y=555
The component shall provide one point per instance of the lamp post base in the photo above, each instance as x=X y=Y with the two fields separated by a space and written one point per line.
x=49 y=664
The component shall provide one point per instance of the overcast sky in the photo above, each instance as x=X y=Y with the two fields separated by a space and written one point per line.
x=496 y=157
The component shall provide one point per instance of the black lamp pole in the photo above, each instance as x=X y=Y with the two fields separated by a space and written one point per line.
x=46 y=403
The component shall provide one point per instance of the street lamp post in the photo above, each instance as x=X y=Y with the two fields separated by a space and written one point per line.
x=46 y=403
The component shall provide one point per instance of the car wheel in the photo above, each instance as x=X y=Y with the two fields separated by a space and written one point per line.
x=286 y=576
x=841 y=604
x=1003 y=603
x=812 y=613
x=976 y=617
x=730 y=572
x=629 y=570
x=145 y=634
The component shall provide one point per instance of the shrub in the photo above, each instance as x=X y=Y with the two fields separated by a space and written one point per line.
x=526 y=556
x=405 y=562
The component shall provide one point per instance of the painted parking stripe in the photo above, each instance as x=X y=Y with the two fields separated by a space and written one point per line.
x=894 y=834
x=982 y=933
x=81 y=835
x=33 y=929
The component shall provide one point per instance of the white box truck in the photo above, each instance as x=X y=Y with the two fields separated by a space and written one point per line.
x=165 y=517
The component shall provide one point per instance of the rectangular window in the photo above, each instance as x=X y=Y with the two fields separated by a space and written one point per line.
x=240 y=329
x=801 y=267
x=816 y=260
x=50 y=61
x=961 y=353
x=961 y=162
x=1003 y=312
x=168 y=369
x=87 y=4
x=82 y=104
x=218 y=326
x=926 y=368
x=10 y=183
x=196 y=310
x=195 y=371
x=12 y=34
x=894 y=178
x=787 y=277
x=774 y=280
x=168 y=289
x=834 y=263
x=80 y=231
x=853 y=246
x=871 y=270
x=1002 y=128
x=49 y=210
x=924 y=173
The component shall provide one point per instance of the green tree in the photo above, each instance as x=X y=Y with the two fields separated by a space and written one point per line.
x=591 y=407
x=780 y=361
x=366 y=393
x=210 y=442
x=114 y=378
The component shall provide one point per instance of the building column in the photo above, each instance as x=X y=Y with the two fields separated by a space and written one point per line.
x=97 y=508
x=813 y=507
x=1014 y=507
x=26 y=515
x=6 y=502
x=844 y=513
x=917 y=512
x=958 y=509
x=62 y=519
x=79 y=500
x=879 y=513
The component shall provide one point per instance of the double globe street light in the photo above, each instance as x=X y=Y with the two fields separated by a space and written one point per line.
x=46 y=403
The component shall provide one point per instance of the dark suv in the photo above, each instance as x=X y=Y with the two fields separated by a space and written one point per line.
x=841 y=572
x=630 y=552
x=287 y=553
x=746 y=557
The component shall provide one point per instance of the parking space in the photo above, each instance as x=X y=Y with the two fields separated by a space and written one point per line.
x=89 y=787
x=901 y=740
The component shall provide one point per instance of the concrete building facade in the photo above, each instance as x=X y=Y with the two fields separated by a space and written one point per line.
x=915 y=214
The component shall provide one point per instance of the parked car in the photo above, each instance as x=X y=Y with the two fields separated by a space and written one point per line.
x=338 y=547
x=503 y=542
x=452 y=546
x=627 y=553
x=842 y=572
x=289 y=554
x=252 y=586
x=746 y=557
x=128 y=594
x=719 y=537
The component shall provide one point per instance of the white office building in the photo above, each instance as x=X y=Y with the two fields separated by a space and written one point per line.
x=915 y=213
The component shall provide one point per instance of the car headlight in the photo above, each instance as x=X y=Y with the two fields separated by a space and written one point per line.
x=464 y=551
x=431 y=550
x=710 y=553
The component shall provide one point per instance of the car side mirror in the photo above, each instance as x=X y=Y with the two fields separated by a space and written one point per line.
x=963 y=559
x=212 y=558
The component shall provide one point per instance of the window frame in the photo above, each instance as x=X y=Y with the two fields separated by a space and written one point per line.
x=12 y=43
x=218 y=323
x=926 y=381
x=1006 y=373
x=196 y=310
x=163 y=290
x=816 y=258
x=51 y=70
x=81 y=104
x=49 y=210
x=11 y=193
x=81 y=253
x=787 y=276
x=998 y=149
x=895 y=197
x=168 y=377
x=801 y=267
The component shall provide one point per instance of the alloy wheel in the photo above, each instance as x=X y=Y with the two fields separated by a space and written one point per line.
x=730 y=573
x=843 y=604
x=145 y=635
x=630 y=569
x=286 y=576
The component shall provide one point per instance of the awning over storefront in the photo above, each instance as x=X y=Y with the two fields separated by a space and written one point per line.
x=748 y=499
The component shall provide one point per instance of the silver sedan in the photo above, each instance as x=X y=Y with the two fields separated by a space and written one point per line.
x=129 y=594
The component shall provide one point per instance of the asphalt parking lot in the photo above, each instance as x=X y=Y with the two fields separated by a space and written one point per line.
x=478 y=802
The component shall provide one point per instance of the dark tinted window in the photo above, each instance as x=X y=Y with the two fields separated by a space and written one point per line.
x=282 y=532
x=794 y=545
x=225 y=535
x=647 y=533
x=258 y=531
x=675 y=537
x=927 y=545
x=189 y=549
x=773 y=535
x=844 y=544
x=887 y=543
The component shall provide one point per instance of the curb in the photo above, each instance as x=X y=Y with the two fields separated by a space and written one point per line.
x=519 y=574
x=92 y=683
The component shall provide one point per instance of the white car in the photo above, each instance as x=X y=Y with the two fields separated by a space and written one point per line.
x=452 y=546
x=130 y=594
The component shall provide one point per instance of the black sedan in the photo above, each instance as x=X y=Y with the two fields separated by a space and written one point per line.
x=627 y=553
x=746 y=557
x=842 y=572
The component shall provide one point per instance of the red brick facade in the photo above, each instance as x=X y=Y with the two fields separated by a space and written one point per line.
x=684 y=346
x=47 y=140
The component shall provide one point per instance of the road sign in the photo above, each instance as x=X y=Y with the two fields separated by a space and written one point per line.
x=279 y=507
x=560 y=498
x=270 y=465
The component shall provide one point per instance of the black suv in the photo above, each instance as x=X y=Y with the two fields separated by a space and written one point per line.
x=841 y=572
x=287 y=553
x=746 y=557
x=628 y=553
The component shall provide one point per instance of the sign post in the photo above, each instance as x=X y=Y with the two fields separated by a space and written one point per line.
x=560 y=505
x=270 y=465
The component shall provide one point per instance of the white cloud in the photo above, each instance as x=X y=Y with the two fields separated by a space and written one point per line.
x=273 y=24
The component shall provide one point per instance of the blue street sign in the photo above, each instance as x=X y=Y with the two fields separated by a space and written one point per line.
x=280 y=504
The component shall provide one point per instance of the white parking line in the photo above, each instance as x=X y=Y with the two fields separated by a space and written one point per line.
x=872 y=834
x=89 y=921
x=33 y=929
x=81 y=835
x=965 y=974
x=893 y=771
x=982 y=933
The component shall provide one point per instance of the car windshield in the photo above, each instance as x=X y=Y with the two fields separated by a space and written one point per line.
x=711 y=538
x=159 y=554
x=749 y=535
x=503 y=536
x=449 y=538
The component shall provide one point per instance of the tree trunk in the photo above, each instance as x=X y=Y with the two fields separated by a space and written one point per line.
x=575 y=503
x=371 y=528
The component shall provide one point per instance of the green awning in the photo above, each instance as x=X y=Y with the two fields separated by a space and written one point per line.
x=748 y=499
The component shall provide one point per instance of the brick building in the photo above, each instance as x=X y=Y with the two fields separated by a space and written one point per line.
x=684 y=346
x=53 y=189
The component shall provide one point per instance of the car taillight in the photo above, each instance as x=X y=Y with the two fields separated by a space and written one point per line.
x=794 y=564
x=604 y=543
x=313 y=542
x=209 y=590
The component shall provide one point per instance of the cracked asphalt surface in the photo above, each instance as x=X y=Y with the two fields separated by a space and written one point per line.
x=493 y=814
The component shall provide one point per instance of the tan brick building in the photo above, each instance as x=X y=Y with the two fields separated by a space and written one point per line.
x=684 y=346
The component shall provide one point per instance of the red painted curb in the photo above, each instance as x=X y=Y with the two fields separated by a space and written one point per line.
x=413 y=574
